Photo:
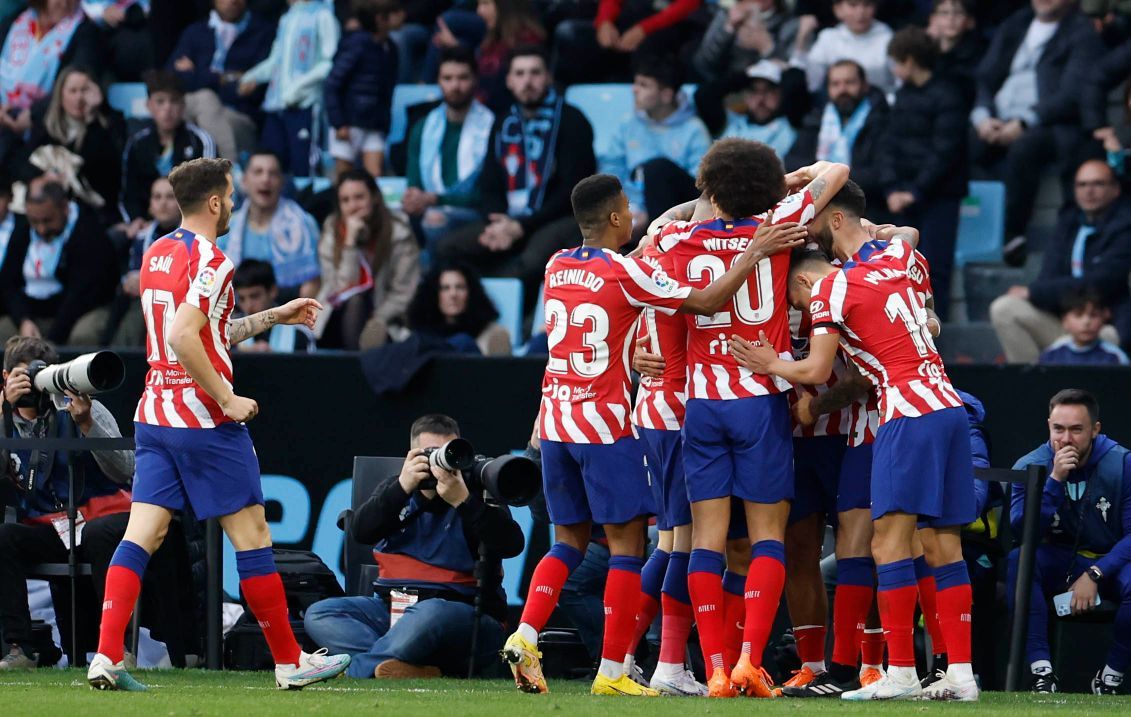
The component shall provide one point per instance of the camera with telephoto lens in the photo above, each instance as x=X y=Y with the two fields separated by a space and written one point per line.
x=88 y=374
x=514 y=480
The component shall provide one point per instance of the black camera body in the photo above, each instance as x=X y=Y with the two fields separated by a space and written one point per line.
x=514 y=480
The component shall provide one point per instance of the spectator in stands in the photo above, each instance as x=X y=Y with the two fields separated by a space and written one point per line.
x=301 y=58
x=78 y=119
x=1028 y=110
x=59 y=271
x=452 y=308
x=509 y=24
x=209 y=59
x=1082 y=316
x=961 y=48
x=126 y=35
x=763 y=120
x=741 y=36
x=126 y=326
x=656 y=152
x=538 y=151
x=10 y=224
x=1085 y=533
x=1091 y=247
x=359 y=88
x=446 y=149
x=858 y=36
x=370 y=267
x=167 y=141
x=270 y=227
x=414 y=37
x=428 y=542
x=254 y=282
x=923 y=157
x=848 y=128
x=600 y=50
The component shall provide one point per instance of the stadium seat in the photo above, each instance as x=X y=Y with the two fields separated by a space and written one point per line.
x=981 y=224
x=985 y=282
x=404 y=96
x=975 y=342
x=506 y=295
x=539 y=322
x=392 y=189
x=129 y=99
x=317 y=185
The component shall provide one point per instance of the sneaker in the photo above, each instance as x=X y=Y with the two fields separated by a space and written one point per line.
x=1044 y=684
x=1015 y=251
x=16 y=659
x=623 y=686
x=312 y=667
x=634 y=672
x=823 y=685
x=891 y=687
x=750 y=680
x=869 y=675
x=397 y=670
x=105 y=675
x=800 y=678
x=525 y=662
x=1100 y=686
x=683 y=684
x=946 y=690
x=932 y=677
x=719 y=684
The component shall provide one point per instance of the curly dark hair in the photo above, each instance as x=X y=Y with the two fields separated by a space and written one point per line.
x=743 y=178
x=424 y=312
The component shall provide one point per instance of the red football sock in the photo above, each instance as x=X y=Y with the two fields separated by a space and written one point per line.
x=122 y=588
x=954 y=618
x=646 y=611
x=734 y=615
x=872 y=645
x=810 y=642
x=851 y=604
x=897 y=613
x=929 y=605
x=764 y=584
x=622 y=592
x=542 y=596
x=676 y=628
x=268 y=603
x=706 y=591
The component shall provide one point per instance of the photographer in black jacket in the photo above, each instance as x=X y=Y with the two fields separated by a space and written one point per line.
x=426 y=544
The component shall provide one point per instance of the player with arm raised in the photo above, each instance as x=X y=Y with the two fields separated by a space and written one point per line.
x=592 y=466
x=922 y=465
x=737 y=438
x=193 y=448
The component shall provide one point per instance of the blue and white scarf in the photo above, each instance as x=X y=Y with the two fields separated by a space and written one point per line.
x=525 y=147
x=294 y=242
x=298 y=38
x=141 y=244
x=226 y=34
x=473 y=143
x=43 y=257
x=28 y=65
x=835 y=141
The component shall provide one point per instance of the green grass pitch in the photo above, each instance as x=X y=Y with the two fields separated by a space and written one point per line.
x=64 y=693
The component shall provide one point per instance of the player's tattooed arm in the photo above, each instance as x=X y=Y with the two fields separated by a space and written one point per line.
x=242 y=329
x=842 y=394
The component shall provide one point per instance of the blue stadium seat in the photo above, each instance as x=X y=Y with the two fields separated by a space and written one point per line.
x=405 y=96
x=392 y=189
x=506 y=295
x=129 y=99
x=539 y=323
x=316 y=184
x=981 y=224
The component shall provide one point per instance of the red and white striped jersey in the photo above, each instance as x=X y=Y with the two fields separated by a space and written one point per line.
x=184 y=268
x=875 y=308
x=593 y=298
x=835 y=423
x=661 y=402
x=701 y=252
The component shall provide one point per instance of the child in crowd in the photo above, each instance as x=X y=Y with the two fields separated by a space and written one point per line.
x=301 y=58
x=254 y=282
x=1083 y=315
x=359 y=88
x=858 y=36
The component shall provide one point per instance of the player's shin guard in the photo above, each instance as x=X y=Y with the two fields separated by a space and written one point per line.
x=651 y=584
x=897 y=596
x=810 y=641
x=622 y=593
x=705 y=586
x=764 y=584
x=872 y=644
x=855 y=590
x=123 y=584
x=676 y=605
x=954 y=602
x=734 y=616
x=546 y=584
x=263 y=589
x=928 y=603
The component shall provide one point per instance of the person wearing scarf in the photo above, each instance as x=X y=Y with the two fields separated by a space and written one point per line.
x=538 y=151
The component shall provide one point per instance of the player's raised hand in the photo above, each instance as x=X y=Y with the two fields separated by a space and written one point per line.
x=646 y=363
x=299 y=311
x=772 y=238
x=802 y=411
x=758 y=357
x=887 y=231
x=240 y=409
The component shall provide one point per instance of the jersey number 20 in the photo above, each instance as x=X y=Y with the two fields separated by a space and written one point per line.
x=713 y=267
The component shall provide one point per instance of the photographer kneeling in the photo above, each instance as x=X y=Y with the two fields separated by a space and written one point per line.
x=427 y=544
